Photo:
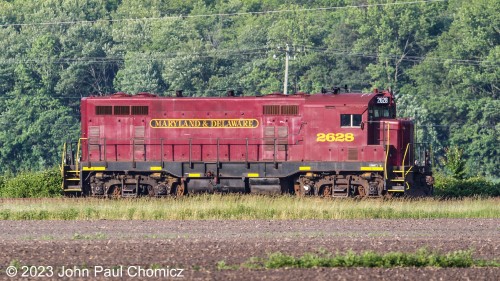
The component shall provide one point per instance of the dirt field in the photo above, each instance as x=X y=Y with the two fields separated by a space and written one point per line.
x=197 y=246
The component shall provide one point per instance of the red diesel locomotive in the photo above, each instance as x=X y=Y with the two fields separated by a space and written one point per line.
x=325 y=144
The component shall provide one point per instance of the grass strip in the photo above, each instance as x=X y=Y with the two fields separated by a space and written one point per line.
x=245 y=207
x=421 y=258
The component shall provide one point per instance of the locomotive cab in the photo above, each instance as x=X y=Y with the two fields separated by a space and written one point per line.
x=382 y=107
x=403 y=171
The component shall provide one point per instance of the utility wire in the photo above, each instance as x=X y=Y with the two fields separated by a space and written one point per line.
x=238 y=53
x=146 y=57
x=224 y=14
x=398 y=57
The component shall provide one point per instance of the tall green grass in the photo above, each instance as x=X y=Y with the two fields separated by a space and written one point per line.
x=245 y=207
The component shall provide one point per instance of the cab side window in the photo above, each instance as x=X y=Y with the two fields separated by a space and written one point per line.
x=350 y=120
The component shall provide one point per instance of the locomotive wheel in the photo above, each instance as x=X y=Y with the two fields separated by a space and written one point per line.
x=180 y=190
x=117 y=192
x=361 y=191
x=296 y=188
x=327 y=191
x=151 y=191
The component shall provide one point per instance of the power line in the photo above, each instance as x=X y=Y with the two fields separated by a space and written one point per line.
x=239 y=53
x=224 y=14
x=400 y=57
x=142 y=57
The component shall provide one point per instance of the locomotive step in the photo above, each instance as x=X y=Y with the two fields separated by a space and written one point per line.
x=72 y=188
x=128 y=191
x=340 y=194
x=129 y=195
x=397 y=188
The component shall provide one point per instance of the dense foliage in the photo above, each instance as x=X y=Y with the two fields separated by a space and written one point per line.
x=32 y=185
x=450 y=187
x=440 y=58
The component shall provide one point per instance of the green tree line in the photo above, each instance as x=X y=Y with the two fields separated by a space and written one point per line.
x=440 y=58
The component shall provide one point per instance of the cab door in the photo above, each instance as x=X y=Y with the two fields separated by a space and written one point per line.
x=317 y=126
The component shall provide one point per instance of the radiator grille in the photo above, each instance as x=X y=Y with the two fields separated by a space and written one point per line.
x=281 y=110
x=140 y=110
x=103 y=110
x=289 y=110
x=271 y=110
x=122 y=110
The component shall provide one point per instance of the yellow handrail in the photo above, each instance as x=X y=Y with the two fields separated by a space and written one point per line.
x=62 y=160
x=406 y=152
x=78 y=154
x=387 y=150
x=411 y=167
x=404 y=158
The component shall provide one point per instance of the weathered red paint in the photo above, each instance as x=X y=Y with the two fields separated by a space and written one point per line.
x=317 y=114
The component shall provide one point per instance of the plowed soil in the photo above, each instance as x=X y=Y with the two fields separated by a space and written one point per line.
x=197 y=246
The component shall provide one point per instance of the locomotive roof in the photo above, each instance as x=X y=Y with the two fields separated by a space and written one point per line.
x=320 y=98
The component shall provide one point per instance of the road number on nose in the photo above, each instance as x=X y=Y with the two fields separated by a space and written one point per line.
x=334 y=137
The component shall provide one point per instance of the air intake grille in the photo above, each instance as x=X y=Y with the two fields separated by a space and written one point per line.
x=103 y=110
x=122 y=110
x=140 y=110
x=271 y=109
x=289 y=110
x=281 y=110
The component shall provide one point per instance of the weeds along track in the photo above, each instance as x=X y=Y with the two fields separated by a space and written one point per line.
x=244 y=207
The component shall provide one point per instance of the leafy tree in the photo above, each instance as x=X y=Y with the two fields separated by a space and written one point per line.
x=441 y=60
x=454 y=162
x=457 y=85
x=140 y=74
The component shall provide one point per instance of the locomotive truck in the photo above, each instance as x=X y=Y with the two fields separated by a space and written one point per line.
x=329 y=144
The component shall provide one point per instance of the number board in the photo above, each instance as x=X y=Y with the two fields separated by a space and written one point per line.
x=382 y=100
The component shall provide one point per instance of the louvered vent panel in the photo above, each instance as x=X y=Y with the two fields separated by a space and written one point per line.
x=94 y=134
x=269 y=131
x=352 y=154
x=122 y=110
x=289 y=110
x=139 y=134
x=271 y=110
x=282 y=138
x=103 y=110
x=140 y=110
x=269 y=138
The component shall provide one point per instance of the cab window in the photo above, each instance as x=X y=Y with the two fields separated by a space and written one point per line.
x=377 y=112
x=350 y=120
